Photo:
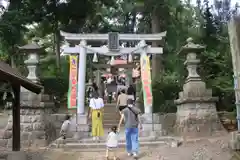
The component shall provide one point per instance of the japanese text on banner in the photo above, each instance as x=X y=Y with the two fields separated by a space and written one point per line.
x=146 y=80
x=73 y=74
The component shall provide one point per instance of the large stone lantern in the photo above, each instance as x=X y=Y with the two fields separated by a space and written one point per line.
x=196 y=109
x=36 y=125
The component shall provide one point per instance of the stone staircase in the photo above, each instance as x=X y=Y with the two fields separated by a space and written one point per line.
x=89 y=144
x=111 y=116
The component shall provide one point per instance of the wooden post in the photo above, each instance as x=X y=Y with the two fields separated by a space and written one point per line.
x=234 y=37
x=157 y=60
x=16 y=144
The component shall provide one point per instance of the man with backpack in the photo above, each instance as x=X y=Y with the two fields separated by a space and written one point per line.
x=131 y=116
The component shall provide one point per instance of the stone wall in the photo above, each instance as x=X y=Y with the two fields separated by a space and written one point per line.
x=169 y=126
x=200 y=119
x=162 y=123
x=22 y=155
x=37 y=129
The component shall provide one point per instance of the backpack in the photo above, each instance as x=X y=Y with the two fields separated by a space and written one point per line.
x=136 y=115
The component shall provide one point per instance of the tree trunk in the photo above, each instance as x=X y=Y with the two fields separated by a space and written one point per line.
x=57 y=48
x=13 y=65
x=157 y=66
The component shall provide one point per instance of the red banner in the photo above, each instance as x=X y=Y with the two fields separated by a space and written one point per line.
x=73 y=74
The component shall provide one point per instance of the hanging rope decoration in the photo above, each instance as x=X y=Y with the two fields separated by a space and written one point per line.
x=112 y=60
x=130 y=58
x=66 y=44
x=95 y=58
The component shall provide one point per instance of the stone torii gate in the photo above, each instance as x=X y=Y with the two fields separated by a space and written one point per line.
x=113 y=49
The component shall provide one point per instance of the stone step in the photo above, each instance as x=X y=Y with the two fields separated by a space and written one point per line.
x=121 y=139
x=110 y=121
x=111 y=116
x=111 y=113
x=94 y=146
x=108 y=126
x=110 y=110
x=110 y=106
x=89 y=143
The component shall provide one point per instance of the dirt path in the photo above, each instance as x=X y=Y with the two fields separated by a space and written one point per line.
x=212 y=149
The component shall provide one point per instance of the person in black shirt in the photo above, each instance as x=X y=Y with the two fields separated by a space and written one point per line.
x=131 y=92
x=95 y=87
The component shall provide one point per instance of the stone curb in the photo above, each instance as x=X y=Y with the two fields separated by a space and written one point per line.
x=103 y=145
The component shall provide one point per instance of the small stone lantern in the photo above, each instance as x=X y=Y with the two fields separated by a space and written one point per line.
x=196 y=108
x=32 y=50
x=8 y=98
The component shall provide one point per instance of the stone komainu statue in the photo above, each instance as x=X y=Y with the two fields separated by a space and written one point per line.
x=8 y=97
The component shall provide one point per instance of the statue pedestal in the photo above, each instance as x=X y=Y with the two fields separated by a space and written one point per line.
x=196 y=111
x=36 y=118
x=80 y=127
x=37 y=128
x=151 y=125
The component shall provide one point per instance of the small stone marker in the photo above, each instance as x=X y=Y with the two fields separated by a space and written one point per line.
x=20 y=155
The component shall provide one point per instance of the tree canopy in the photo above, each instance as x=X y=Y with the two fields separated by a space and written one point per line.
x=206 y=23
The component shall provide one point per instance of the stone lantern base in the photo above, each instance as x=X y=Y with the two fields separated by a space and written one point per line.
x=36 y=119
x=37 y=126
x=152 y=126
x=196 y=111
x=196 y=123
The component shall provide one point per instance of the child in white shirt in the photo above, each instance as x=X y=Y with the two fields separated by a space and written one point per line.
x=112 y=142
x=65 y=127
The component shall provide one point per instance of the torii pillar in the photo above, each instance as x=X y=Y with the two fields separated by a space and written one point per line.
x=234 y=37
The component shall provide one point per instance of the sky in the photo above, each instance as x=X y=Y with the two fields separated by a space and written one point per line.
x=4 y=2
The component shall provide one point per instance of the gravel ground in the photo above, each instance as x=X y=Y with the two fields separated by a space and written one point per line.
x=210 y=149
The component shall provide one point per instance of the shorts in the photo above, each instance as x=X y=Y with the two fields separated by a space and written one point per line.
x=121 y=108
x=111 y=148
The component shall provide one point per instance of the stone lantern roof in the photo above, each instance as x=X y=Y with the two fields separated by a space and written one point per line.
x=191 y=47
x=33 y=47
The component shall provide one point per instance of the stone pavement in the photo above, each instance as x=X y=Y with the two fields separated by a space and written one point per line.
x=209 y=149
